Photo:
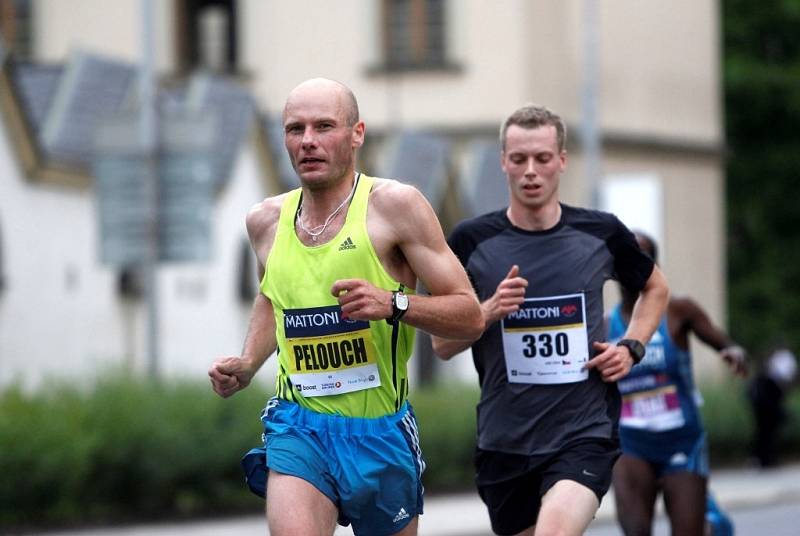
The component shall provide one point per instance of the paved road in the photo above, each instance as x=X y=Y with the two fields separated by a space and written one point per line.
x=763 y=520
x=764 y=503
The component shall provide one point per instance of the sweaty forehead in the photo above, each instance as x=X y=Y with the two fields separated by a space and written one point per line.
x=314 y=104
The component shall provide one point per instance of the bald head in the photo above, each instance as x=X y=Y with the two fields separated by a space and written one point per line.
x=324 y=88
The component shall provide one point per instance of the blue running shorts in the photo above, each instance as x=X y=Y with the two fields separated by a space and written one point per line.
x=369 y=468
x=669 y=453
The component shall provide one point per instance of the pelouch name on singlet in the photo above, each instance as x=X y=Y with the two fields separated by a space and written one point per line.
x=322 y=340
x=330 y=355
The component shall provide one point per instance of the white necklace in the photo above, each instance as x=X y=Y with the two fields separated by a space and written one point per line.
x=313 y=233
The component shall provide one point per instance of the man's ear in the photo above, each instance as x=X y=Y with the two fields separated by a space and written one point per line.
x=358 y=134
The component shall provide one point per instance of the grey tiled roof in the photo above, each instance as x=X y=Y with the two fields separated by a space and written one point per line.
x=65 y=104
x=235 y=110
x=483 y=184
x=37 y=86
x=421 y=159
x=91 y=87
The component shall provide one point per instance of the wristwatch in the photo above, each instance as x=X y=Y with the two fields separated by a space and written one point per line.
x=635 y=347
x=399 y=306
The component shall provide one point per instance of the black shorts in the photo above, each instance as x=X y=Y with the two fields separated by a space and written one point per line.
x=512 y=485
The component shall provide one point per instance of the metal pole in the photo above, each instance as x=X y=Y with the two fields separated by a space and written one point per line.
x=149 y=141
x=590 y=135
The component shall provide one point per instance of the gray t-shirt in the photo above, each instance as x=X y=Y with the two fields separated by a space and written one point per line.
x=566 y=267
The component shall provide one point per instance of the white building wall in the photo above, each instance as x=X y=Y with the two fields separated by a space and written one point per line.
x=59 y=314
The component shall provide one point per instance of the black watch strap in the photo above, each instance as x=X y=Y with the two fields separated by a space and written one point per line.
x=635 y=347
x=399 y=305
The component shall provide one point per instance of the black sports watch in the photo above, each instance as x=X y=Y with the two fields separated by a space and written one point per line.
x=635 y=347
x=399 y=305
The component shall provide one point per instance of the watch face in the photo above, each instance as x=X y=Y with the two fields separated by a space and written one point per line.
x=636 y=348
x=401 y=301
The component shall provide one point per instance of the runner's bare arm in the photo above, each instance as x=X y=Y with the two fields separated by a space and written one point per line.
x=230 y=374
x=409 y=240
x=451 y=310
x=614 y=362
x=694 y=319
x=649 y=307
x=507 y=299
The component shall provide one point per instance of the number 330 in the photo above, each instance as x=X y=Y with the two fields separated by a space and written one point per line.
x=545 y=345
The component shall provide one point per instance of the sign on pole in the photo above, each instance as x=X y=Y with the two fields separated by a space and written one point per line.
x=186 y=189
x=120 y=169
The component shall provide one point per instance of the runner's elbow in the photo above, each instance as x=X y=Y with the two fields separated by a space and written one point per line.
x=444 y=349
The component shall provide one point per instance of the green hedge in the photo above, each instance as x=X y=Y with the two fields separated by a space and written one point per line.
x=446 y=420
x=131 y=449
x=126 y=449
x=729 y=424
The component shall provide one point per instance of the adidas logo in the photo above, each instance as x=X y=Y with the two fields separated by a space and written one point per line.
x=402 y=514
x=347 y=244
x=679 y=458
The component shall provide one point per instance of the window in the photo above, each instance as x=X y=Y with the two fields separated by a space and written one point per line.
x=414 y=34
x=206 y=35
x=130 y=282
x=247 y=283
x=16 y=26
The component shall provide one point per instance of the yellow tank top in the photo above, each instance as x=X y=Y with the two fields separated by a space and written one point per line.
x=326 y=364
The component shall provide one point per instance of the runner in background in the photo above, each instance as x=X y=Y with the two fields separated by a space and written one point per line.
x=664 y=447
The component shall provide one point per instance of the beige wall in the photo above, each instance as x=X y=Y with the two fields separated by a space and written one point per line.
x=104 y=27
x=343 y=44
x=661 y=63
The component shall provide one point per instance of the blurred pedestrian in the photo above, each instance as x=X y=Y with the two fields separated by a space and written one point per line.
x=767 y=394
x=337 y=258
x=547 y=418
x=664 y=447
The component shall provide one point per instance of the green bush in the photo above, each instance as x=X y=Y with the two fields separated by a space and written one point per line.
x=447 y=428
x=729 y=424
x=127 y=448
x=728 y=421
x=131 y=449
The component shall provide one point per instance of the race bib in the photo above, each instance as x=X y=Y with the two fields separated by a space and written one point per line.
x=546 y=341
x=328 y=355
x=656 y=410
x=650 y=402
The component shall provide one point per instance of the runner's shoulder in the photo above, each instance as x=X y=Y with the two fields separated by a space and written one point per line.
x=263 y=216
x=578 y=216
x=389 y=193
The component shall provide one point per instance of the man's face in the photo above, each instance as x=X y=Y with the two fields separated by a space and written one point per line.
x=533 y=165
x=320 y=143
